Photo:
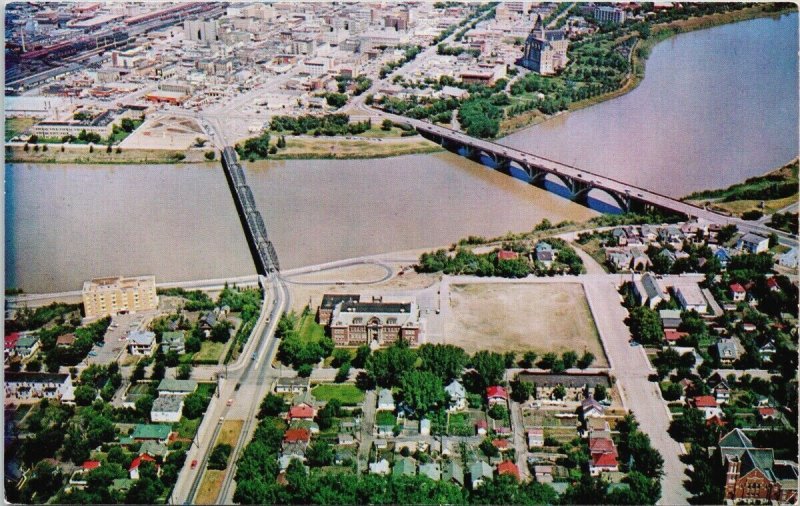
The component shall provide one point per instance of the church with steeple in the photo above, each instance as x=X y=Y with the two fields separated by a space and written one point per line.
x=545 y=50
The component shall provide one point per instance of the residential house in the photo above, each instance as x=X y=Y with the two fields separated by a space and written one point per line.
x=507 y=255
x=591 y=408
x=174 y=341
x=753 y=243
x=296 y=385
x=603 y=453
x=722 y=392
x=133 y=469
x=640 y=261
x=181 y=388
x=154 y=449
x=481 y=427
x=773 y=285
x=767 y=351
x=508 y=468
x=502 y=445
x=302 y=411
x=453 y=473
x=603 y=463
x=737 y=292
x=381 y=467
x=671 y=234
x=668 y=255
x=619 y=258
x=753 y=475
x=707 y=404
x=141 y=343
x=670 y=318
x=405 y=467
x=479 y=473
x=345 y=439
x=26 y=345
x=723 y=256
x=691 y=298
x=424 y=427
x=788 y=259
x=207 y=322
x=596 y=425
x=543 y=473
x=649 y=290
x=385 y=400
x=672 y=336
x=65 y=340
x=38 y=385
x=535 y=438
x=167 y=408
x=432 y=470
x=767 y=413
x=545 y=254
x=296 y=436
x=457 y=395
x=728 y=351
x=151 y=432
x=496 y=394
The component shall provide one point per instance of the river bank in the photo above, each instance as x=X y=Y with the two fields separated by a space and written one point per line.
x=639 y=55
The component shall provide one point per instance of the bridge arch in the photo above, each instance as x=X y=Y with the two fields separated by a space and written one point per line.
x=582 y=196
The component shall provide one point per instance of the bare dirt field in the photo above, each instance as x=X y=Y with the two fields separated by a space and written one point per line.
x=522 y=317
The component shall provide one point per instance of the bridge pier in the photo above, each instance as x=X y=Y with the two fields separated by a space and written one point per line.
x=503 y=165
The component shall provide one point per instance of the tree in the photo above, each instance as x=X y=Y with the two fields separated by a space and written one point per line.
x=521 y=390
x=528 y=359
x=343 y=373
x=85 y=395
x=76 y=447
x=689 y=426
x=272 y=405
x=488 y=448
x=387 y=366
x=490 y=367
x=559 y=392
x=340 y=356
x=320 y=454
x=219 y=456
x=645 y=325
x=600 y=392
x=547 y=360
x=44 y=481
x=422 y=390
x=210 y=155
x=221 y=332
x=304 y=371
x=568 y=358
x=386 y=125
x=726 y=233
x=498 y=411
x=127 y=124
x=184 y=371
x=444 y=360
x=586 y=360
x=194 y=405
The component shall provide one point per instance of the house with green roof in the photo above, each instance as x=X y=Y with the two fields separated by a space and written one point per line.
x=154 y=432
x=176 y=387
x=405 y=467
x=432 y=470
x=479 y=473
x=453 y=473
x=174 y=341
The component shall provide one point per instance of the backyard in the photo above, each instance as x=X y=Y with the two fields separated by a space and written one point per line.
x=210 y=352
x=540 y=317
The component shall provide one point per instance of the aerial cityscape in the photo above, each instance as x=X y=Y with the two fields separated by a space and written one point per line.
x=417 y=252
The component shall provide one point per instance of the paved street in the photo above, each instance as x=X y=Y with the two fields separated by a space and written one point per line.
x=367 y=425
x=520 y=440
x=631 y=369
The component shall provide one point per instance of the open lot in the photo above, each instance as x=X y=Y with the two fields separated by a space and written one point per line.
x=520 y=317
x=209 y=487
x=348 y=395
x=229 y=434
x=210 y=351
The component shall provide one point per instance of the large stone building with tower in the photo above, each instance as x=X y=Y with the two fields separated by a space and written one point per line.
x=353 y=322
x=545 y=50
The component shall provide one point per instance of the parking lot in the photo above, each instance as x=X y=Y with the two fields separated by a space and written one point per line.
x=115 y=339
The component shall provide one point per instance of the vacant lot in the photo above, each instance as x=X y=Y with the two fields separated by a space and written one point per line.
x=347 y=394
x=229 y=434
x=210 y=351
x=520 y=317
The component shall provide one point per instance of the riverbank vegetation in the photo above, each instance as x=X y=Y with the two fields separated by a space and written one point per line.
x=757 y=195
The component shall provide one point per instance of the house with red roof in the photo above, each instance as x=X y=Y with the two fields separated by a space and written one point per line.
x=767 y=413
x=509 y=468
x=602 y=463
x=737 y=291
x=495 y=394
x=133 y=469
x=602 y=445
x=507 y=255
x=88 y=465
x=501 y=444
x=481 y=427
x=772 y=284
x=673 y=336
x=707 y=404
x=10 y=343
x=302 y=411
x=292 y=436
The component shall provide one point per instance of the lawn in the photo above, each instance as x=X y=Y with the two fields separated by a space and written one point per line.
x=15 y=126
x=209 y=487
x=229 y=434
x=210 y=351
x=309 y=330
x=187 y=427
x=385 y=418
x=347 y=394
x=460 y=425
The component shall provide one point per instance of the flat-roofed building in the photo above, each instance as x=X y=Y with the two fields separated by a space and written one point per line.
x=38 y=385
x=691 y=298
x=108 y=296
x=354 y=323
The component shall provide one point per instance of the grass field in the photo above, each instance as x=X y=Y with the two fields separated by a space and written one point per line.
x=460 y=424
x=209 y=487
x=187 y=427
x=347 y=394
x=229 y=434
x=385 y=418
x=209 y=351
x=309 y=330
x=521 y=317
x=15 y=126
